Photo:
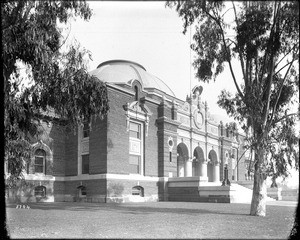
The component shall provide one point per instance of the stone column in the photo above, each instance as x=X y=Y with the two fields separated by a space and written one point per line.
x=217 y=172
x=203 y=169
x=188 y=168
x=180 y=166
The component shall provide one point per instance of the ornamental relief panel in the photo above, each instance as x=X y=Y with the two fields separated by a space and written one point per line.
x=135 y=147
x=182 y=133
x=212 y=129
x=198 y=137
x=183 y=119
x=185 y=107
x=85 y=146
x=212 y=141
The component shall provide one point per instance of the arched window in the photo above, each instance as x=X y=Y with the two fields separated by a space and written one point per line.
x=40 y=191
x=39 y=161
x=138 y=191
x=136 y=91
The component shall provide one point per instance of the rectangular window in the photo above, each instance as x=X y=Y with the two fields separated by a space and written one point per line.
x=135 y=130
x=135 y=148
x=134 y=163
x=85 y=164
x=86 y=130
x=39 y=164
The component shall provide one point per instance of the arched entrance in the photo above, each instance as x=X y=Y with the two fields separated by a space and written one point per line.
x=198 y=161
x=182 y=156
x=213 y=167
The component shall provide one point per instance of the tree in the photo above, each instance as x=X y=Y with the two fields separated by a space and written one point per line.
x=32 y=36
x=264 y=39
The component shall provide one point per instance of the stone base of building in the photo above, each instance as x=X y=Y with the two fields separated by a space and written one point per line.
x=122 y=189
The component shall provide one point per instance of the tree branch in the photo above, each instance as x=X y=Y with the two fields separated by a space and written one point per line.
x=285 y=56
x=271 y=68
x=240 y=54
x=268 y=89
x=269 y=43
x=284 y=117
x=227 y=53
x=279 y=92
x=228 y=39
x=242 y=156
x=285 y=65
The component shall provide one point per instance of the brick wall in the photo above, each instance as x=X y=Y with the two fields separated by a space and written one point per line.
x=71 y=149
x=151 y=144
x=94 y=188
x=98 y=147
x=119 y=188
x=166 y=129
x=117 y=136
x=57 y=146
x=165 y=165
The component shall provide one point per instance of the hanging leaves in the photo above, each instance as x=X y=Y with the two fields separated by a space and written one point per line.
x=61 y=84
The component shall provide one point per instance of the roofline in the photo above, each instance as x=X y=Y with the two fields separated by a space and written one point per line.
x=120 y=61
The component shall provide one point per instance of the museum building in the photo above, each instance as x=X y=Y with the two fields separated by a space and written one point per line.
x=151 y=146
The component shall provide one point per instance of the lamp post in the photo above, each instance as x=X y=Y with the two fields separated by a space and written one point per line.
x=226 y=181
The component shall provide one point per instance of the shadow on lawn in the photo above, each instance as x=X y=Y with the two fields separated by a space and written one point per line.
x=133 y=209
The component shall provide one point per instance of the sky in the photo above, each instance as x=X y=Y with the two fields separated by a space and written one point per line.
x=150 y=34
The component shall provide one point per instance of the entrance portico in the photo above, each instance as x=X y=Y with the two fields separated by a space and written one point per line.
x=198 y=166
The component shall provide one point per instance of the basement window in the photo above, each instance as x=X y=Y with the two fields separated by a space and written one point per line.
x=138 y=191
x=81 y=191
x=40 y=191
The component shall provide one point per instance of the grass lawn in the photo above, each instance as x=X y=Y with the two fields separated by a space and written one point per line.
x=148 y=220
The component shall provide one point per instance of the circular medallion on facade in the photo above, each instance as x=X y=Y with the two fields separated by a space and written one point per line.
x=198 y=119
x=170 y=143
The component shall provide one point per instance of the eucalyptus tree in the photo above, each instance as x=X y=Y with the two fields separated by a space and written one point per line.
x=263 y=37
x=32 y=37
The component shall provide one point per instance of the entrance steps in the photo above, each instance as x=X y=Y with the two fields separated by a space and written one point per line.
x=193 y=190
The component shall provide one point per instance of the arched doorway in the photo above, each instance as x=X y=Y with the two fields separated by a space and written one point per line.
x=182 y=156
x=198 y=161
x=213 y=167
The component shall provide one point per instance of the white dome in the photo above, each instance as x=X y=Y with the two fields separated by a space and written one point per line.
x=122 y=71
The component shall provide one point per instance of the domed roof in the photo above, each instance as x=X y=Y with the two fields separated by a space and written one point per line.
x=122 y=71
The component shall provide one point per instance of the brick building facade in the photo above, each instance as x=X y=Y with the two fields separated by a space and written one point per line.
x=148 y=137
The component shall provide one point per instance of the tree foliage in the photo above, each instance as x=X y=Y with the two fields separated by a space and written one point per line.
x=264 y=38
x=32 y=36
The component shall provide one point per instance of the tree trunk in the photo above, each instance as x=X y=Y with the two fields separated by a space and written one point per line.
x=259 y=196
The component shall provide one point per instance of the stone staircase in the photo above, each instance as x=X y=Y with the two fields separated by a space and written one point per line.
x=242 y=194
x=191 y=189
